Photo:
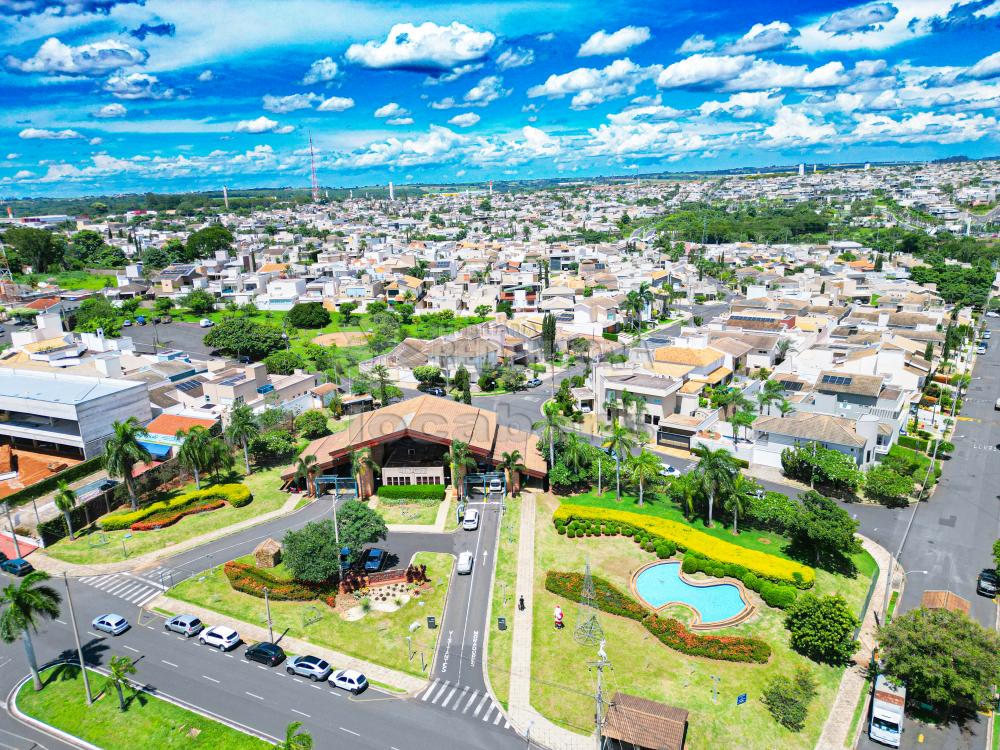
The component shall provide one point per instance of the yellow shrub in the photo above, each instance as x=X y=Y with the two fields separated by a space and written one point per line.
x=688 y=538
x=237 y=495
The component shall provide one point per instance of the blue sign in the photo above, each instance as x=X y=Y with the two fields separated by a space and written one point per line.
x=741 y=699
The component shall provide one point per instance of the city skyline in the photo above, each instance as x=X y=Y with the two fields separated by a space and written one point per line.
x=109 y=96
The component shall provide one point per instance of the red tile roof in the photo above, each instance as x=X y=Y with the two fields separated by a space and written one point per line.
x=171 y=424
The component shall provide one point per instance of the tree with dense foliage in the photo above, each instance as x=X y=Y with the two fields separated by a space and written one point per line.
x=428 y=376
x=308 y=315
x=823 y=467
x=65 y=501
x=822 y=628
x=621 y=441
x=943 y=657
x=305 y=468
x=205 y=243
x=346 y=311
x=548 y=336
x=238 y=336
x=242 y=429
x=199 y=301
x=385 y=390
x=715 y=471
x=888 y=487
x=312 y=424
x=312 y=553
x=120 y=668
x=284 y=362
x=823 y=530
x=95 y=312
x=123 y=451
x=483 y=311
x=460 y=460
x=38 y=248
x=195 y=451
x=644 y=469
x=553 y=425
x=22 y=606
x=788 y=698
x=272 y=446
x=359 y=526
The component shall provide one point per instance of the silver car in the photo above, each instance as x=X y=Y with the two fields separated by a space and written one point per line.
x=313 y=667
x=465 y=563
x=112 y=624
x=188 y=625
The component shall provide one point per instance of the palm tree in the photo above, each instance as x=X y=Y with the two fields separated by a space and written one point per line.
x=552 y=427
x=620 y=440
x=242 y=429
x=783 y=346
x=123 y=451
x=770 y=392
x=574 y=453
x=21 y=606
x=419 y=271
x=305 y=467
x=785 y=407
x=742 y=419
x=644 y=469
x=736 y=501
x=195 y=452
x=715 y=469
x=687 y=486
x=460 y=459
x=119 y=669
x=361 y=463
x=633 y=305
x=510 y=464
x=336 y=405
x=646 y=297
x=219 y=457
x=65 y=501
x=295 y=739
x=639 y=406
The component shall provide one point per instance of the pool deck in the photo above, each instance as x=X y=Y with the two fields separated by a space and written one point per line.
x=696 y=623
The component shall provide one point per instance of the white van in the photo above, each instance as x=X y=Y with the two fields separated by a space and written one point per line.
x=496 y=485
x=888 y=702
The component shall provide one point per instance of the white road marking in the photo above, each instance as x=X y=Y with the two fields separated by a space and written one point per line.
x=60 y=621
x=471 y=699
x=254 y=695
x=356 y=734
x=294 y=711
x=132 y=649
x=499 y=716
x=446 y=701
x=440 y=692
x=96 y=635
x=427 y=693
x=169 y=663
x=210 y=679
x=481 y=702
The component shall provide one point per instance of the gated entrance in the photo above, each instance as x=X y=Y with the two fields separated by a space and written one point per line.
x=334 y=485
x=486 y=483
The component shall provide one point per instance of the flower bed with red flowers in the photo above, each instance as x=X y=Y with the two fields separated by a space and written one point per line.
x=250 y=580
x=669 y=631
x=169 y=518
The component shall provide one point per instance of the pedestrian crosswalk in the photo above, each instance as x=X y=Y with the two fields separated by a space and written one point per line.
x=130 y=587
x=465 y=700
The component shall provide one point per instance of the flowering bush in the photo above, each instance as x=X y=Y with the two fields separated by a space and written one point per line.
x=578 y=520
x=608 y=598
x=237 y=495
x=251 y=580
x=164 y=519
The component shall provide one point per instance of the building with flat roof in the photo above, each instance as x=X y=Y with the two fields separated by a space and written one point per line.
x=70 y=414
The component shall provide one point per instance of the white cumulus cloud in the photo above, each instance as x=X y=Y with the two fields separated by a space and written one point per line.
x=794 y=128
x=603 y=43
x=765 y=74
x=109 y=111
x=515 y=57
x=437 y=144
x=97 y=58
x=591 y=86
x=124 y=85
x=262 y=125
x=988 y=67
x=284 y=104
x=205 y=76
x=859 y=18
x=34 y=134
x=391 y=109
x=760 y=37
x=399 y=121
x=695 y=43
x=324 y=69
x=464 y=120
x=426 y=47
x=700 y=70
x=336 y=104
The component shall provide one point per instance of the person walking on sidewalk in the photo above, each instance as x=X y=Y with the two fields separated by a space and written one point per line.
x=520 y=603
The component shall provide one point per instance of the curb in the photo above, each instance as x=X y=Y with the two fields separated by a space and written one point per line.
x=488 y=630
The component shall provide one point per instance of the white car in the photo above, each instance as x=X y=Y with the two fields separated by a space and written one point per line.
x=349 y=679
x=669 y=471
x=993 y=314
x=220 y=637
x=470 y=522
x=496 y=485
x=205 y=323
x=111 y=624
x=987 y=334
x=464 y=565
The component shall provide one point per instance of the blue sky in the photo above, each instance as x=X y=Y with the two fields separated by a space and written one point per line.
x=104 y=96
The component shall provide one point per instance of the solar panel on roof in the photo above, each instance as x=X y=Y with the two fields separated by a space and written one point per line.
x=791 y=385
x=836 y=380
x=188 y=385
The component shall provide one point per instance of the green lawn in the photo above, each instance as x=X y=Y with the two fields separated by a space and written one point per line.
x=379 y=637
x=267 y=497
x=504 y=600
x=68 y=279
x=148 y=722
x=562 y=683
x=424 y=513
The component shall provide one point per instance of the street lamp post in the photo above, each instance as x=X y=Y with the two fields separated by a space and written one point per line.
x=13 y=535
x=76 y=636
x=888 y=585
x=267 y=607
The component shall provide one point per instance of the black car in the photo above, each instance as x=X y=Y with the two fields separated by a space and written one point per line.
x=988 y=583
x=270 y=654
x=17 y=567
x=3 y=557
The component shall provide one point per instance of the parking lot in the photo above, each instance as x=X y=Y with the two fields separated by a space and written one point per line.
x=185 y=336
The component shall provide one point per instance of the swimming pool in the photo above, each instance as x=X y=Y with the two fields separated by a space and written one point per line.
x=661 y=584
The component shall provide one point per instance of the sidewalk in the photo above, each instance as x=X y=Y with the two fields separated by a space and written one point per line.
x=838 y=723
x=251 y=633
x=527 y=721
x=57 y=567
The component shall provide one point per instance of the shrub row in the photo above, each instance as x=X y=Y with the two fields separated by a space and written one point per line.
x=663 y=548
x=412 y=491
x=669 y=631
x=775 y=595
x=908 y=441
x=165 y=518
x=237 y=495
x=250 y=580
x=688 y=539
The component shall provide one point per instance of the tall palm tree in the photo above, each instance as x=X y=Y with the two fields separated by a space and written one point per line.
x=715 y=470
x=770 y=392
x=785 y=407
x=552 y=426
x=644 y=469
x=646 y=297
x=195 y=452
x=119 y=670
x=574 y=453
x=742 y=419
x=736 y=501
x=305 y=467
x=621 y=440
x=686 y=487
x=460 y=460
x=510 y=464
x=639 y=407
x=361 y=463
x=123 y=451
x=242 y=429
x=22 y=605
x=220 y=458
x=633 y=305
x=65 y=501
x=295 y=739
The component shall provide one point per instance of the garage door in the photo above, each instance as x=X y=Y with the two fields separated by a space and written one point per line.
x=673 y=439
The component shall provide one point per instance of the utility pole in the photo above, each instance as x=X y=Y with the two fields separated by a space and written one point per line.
x=600 y=664
x=76 y=636
x=267 y=605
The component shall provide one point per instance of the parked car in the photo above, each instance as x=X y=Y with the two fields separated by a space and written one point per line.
x=435 y=391
x=127 y=323
x=470 y=522
x=349 y=679
x=375 y=559
x=993 y=314
x=205 y=323
x=496 y=485
x=220 y=637
x=987 y=334
x=988 y=583
x=313 y=667
x=981 y=349
x=270 y=654
x=996 y=406
x=112 y=624
x=465 y=562
x=533 y=383
x=16 y=567
x=669 y=471
x=188 y=625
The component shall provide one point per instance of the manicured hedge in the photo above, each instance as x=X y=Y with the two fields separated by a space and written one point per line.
x=237 y=495
x=651 y=529
x=167 y=518
x=412 y=491
x=669 y=631
x=908 y=441
x=49 y=484
x=775 y=595
x=250 y=580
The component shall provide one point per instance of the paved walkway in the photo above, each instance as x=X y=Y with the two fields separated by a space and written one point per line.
x=852 y=684
x=252 y=633
x=57 y=567
x=526 y=720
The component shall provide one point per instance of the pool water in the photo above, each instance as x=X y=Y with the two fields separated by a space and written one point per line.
x=661 y=584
